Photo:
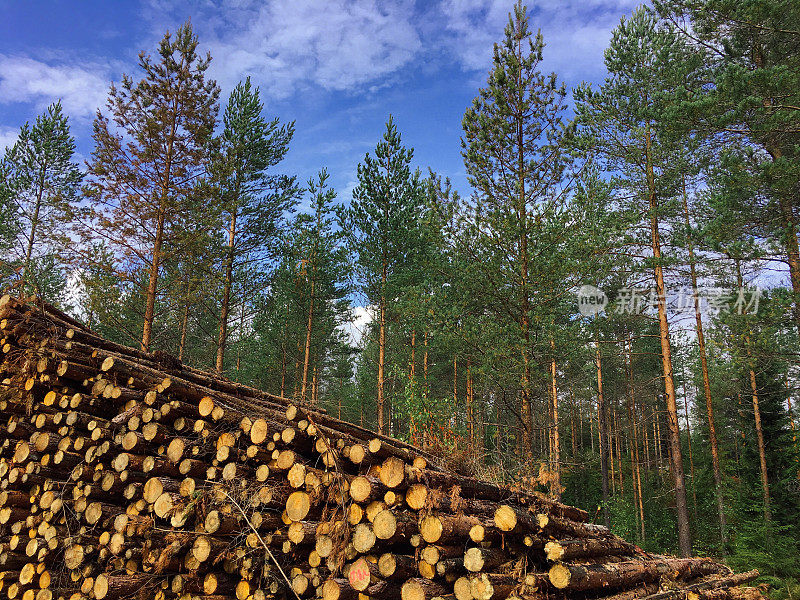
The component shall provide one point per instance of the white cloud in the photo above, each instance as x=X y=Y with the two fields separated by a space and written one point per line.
x=575 y=31
x=82 y=88
x=285 y=46
x=8 y=135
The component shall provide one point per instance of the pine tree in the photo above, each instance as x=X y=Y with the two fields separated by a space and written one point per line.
x=626 y=123
x=9 y=226
x=382 y=228
x=254 y=201
x=43 y=182
x=325 y=267
x=150 y=154
x=515 y=161
x=752 y=51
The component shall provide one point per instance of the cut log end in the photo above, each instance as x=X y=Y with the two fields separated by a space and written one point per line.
x=559 y=576
x=359 y=575
x=505 y=518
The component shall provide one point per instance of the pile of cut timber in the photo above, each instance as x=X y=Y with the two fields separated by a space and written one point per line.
x=128 y=474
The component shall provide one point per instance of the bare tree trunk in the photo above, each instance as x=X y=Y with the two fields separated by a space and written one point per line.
x=762 y=454
x=646 y=429
x=634 y=445
x=556 y=446
x=425 y=365
x=762 y=451
x=675 y=452
x=790 y=410
x=618 y=444
x=412 y=364
x=701 y=345
x=226 y=295
x=602 y=432
x=573 y=440
x=471 y=411
x=689 y=444
x=314 y=388
x=522 y=209
x=609 y=434
x=34 y=224
x=309 y=327
x=455 y=382
x=382 y=425
x=591 y=430
x=152 y=285
x=658 y=440
x=184 y=327
x=792 y=248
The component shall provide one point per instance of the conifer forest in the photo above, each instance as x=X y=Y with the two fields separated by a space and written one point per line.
x=608 y=313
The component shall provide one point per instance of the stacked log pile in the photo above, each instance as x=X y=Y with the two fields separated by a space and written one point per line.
x=125 y=474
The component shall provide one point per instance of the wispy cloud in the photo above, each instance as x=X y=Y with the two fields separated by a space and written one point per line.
x=8 y=136
x=575 y=31
x=288 y=47
x=80 y=87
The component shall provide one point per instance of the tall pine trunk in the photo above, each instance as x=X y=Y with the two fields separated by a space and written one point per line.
x=226 y=296
x=675 y=452
x=161 y=216
x=762 y=451
x=382 y=351
x=701 y=346
x=555 y=457
x=634 y=444
x=34 y=224
x=184 y=327
x=309 y=327
x=602 y=429
x=152 y=285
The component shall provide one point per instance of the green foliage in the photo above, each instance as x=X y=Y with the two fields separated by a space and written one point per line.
x=149 y=157
x=39 y=185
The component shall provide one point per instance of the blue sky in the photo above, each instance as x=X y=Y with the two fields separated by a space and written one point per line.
x=336 y=68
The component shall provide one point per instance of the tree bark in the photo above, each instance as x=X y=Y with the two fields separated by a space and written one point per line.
x=152 y=286
x=634 y=443
x=34 y=223
x=555 y=458
x=382 y=351
x=309 y=326
x=602 y=429
x=522 y=210
x=184 y=327
x=762 y=452
x=675 y=452
x=701 y=345
x=789 y=223
x=226 y=295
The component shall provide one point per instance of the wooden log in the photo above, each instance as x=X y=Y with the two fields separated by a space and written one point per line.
x=391 y=565
x=421 y=589
x=714 y=583
x=625 y=574
x=571 y=549
x=478 y=559
x=118 y=586
x=442 y=528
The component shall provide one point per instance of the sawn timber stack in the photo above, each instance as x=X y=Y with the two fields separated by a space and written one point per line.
x=125 y=474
